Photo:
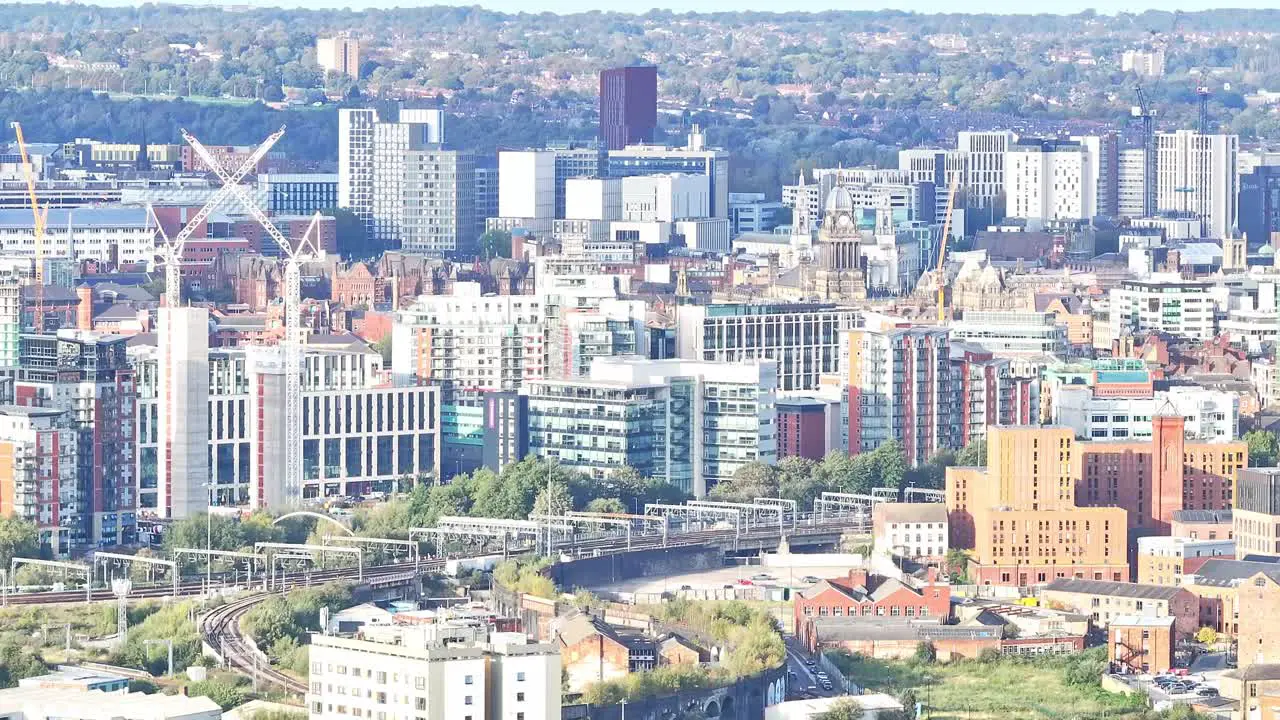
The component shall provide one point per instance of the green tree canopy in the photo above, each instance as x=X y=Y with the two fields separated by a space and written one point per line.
x=1263 y=448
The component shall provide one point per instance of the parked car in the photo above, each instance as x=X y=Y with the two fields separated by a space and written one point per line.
x=762 y=576
x=1207 y=692
x=810 y=579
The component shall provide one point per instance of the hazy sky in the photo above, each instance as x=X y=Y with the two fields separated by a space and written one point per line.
x=928 y=6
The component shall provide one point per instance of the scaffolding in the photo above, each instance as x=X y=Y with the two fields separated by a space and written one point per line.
x=118 y=557
x=74 y=567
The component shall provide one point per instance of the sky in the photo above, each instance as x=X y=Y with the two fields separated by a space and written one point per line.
x=924 y=6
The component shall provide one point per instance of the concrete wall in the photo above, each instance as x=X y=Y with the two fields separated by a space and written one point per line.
x=746 y=698
x=595 y=571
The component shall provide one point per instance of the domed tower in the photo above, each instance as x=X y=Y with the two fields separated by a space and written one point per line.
x=839 y=236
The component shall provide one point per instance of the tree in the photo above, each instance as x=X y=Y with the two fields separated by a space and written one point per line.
x=973 y=455
x=18 y=538
x=495 y=243
x=753 y=480
x=1207 y=635
x=957 y=562
x=843 y=709
x=1263 y=448
x=553 y=500
x=353 y=241
x=224 y=694
x=606 y=505
x=926 y=653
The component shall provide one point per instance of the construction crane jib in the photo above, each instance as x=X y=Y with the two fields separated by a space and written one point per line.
x=40 y=217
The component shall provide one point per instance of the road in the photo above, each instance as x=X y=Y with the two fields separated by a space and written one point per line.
x=804 y=675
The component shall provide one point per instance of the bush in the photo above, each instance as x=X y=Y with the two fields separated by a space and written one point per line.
x=926 y=653
x=224 y=694
x=167 y=622
x=525 y=577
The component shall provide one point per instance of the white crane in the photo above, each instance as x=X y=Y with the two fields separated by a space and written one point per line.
x=171 y=250
x=304 y=251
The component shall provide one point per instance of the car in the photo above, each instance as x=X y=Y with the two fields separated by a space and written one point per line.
x=826 y=686
x=762 y=576
x=810 y=579
x=812 y=688
x=729 y=586
x=1207 y=692
x=745 y=581
x=1178 y=689
x=686 y=587
x=810 y=662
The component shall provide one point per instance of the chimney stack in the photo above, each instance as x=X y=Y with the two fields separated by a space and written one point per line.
x=84 y=311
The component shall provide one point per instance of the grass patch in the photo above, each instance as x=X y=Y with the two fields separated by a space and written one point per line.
x=998 y=688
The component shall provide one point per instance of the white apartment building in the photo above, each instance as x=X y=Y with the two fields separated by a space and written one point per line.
x=181 y=397
x=986 y=171
x=1254 y=321
x=470 y=340
x=507 y=678
x=1197 y=174
x=803 y=338
x=359 y=434
x=1163 y=303
x=339 y=54
x=593 y=198
x=398 y=179
x=10 y=317
x=1265 y=375
x=1131 y=180
x=527 y=184
x=1209 y=414
x=1145 y=63
x=1050 y=181
x=665 y=198
x=691 y=423
x=115 y=234
x=911 y=530
x=1011 y=333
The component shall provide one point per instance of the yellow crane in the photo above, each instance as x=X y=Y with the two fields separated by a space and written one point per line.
x=942 y=251
x=37 y=319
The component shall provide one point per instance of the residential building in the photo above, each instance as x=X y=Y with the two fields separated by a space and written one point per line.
x=1256 y=518
x=1165 y=304
x=38 y=473
x=985 y=152
x=506 y=429
x=403 y=184
x=1131 y=183
x=1101 y=412
x=1002 y=512
x=434 y=677
x=690 y=423
x=527 y=184
x=1202 y=524
x=469 y=340
x=988 y=392
x=1141 y=644
x=573 y=161
x=1107 y=601
x=579 y=335
x=1218 y=583
x=1104 y=166
x=1009 y=333
x=917 y=531
x=1165 y=560
x=41 y=703
x=808 y=426
x=1144 y=63
x=87 y=375
x=181 y=400
x=1049 y=181
x=118 y=235
x=900 y=388
x=299 y=193
x=340 y=54
x=694 y=158
x=1196 y=174
x=867 y=597
x=804 y=339
x=628 y=106
x=488 y=190
x=1255 y=685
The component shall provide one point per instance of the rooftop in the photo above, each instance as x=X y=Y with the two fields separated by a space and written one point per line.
x=1142 y=621
x=1203 y=517
x=1115 y=589
x=912 y=512
x=41 y=702
x=79 y=217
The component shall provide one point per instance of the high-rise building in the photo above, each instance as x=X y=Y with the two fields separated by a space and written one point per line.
x=182 y=399
x=38 y=472
x=1011 y=333
x=1104 y=167
x=899 y=381
x=87 y=375
x=628 y=106
x=527 y=184
x=986 y=169
x=1049 y=180
x=573 y=161
x=1256 y=518
x=804 y=339
x=1131 y=183
x=487 y=190
x=1163 y=303
x=299 y=193
x=340 y=54
x=403 y=184
x=1196 y=175
x=1003 y=512
x=1260 y=205
x=694 y=158
x=1144 y=63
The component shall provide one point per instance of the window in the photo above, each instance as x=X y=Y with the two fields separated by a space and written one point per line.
x=420 y=703
x=520 y=677
x=469 y=680
x=519 y=697
x=466 y=700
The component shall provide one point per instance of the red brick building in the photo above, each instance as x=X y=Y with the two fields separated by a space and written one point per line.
x=802 y=428
x=863 y=595
x=354 y=285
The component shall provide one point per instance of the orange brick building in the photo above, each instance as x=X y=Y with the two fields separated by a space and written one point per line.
x=1020 y=517
x=1140 y=644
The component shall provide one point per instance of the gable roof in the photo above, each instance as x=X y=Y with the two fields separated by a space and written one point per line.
x=1225 y=573
x=1114 y=589
x=577 y=628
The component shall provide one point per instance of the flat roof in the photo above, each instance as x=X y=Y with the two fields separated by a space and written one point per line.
x=1142 y=621
x=28 y=411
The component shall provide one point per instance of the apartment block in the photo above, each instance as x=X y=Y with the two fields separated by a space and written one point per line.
x=1020 y=517
x=1050 y=180
x=87 y=375
x=1256 y=518
x=804 y=339
x=1165 y=560
x=38 y=473
x=1165 y=304
x=690 y=423
x=1197 y=174
x=505 y=677
x=340 y=54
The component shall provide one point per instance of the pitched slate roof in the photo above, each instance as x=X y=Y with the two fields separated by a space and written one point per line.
x=1115 y=589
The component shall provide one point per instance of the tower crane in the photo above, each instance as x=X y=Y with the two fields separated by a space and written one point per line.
x=942 y=251
x=39 y=219
x=1147 y=115
x=171 y=249
x=306 y=250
